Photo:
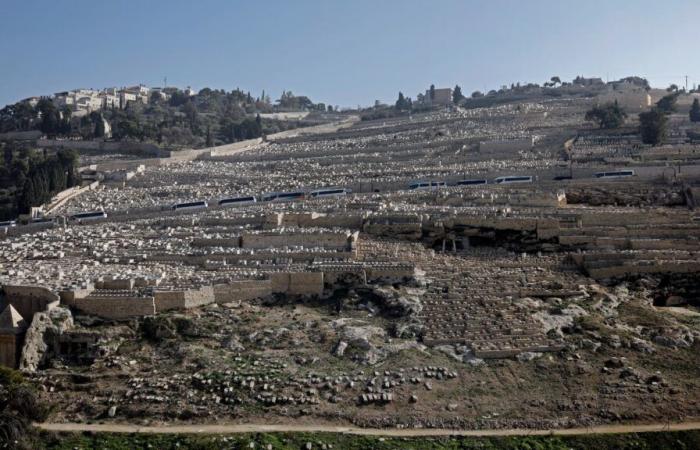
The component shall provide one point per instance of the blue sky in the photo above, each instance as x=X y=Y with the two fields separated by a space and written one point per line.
x=340 y=52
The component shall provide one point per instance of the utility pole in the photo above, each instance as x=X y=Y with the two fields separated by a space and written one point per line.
x=686 y=83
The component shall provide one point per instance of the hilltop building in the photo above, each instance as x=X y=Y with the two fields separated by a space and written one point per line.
x=85 y=101
x=443 y=96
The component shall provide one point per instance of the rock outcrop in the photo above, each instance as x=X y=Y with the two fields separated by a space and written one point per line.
x=44 y=328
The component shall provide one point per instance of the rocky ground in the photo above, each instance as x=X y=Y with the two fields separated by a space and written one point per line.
x=356 y=356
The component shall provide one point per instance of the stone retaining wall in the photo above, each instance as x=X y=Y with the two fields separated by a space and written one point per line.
x=297 y=283
x=115 y=307
x=242 y=290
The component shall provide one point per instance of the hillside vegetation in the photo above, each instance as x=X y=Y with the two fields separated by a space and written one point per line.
x=210 y=117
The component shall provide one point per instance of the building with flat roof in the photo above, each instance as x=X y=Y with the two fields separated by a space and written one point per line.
x=442 y=96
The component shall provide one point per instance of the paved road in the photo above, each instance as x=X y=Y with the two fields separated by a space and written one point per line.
x=407 y=432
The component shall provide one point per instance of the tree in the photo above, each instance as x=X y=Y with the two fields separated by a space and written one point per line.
x=457 y=95
x=210 y=140
x=607 y=116
x=178 y=98
x=8 y=154
x=672 y=88
x=667 y=104
x=190 y=111
x=95 y=123
x=652 y=126
x=100 y=126
x=155 y=98
x=50 y=117
x=477 y=94
x=432 y=92
x=555 y=80
x=401 y=103
x=695 y=111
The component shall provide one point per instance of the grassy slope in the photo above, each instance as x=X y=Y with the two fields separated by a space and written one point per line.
x=643 y=441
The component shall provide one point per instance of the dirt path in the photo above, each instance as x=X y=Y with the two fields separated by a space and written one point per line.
x=408 y=432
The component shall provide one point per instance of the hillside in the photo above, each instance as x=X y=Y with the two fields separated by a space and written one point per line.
x=169 y=117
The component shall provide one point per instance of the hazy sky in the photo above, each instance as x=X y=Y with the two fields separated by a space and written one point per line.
x=341 y=52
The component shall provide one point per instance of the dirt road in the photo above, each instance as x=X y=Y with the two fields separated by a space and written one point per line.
x=408 y=432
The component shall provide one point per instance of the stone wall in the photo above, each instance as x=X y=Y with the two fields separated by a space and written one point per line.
x=216 y=242
x=124 y=283
x=297 y=283
x=132 y=148
x=242 y=290
x=634 y=269
x=405 y=230
x=506 y=145
x=309 y=240
x=20 y=135
x=231 y=149
x=121 y=307
x=185 y=299
x=397 y=272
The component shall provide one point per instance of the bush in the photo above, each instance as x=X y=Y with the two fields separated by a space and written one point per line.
x=652 y=126
x=19 y=407
x=667 y=104
x=607 y=116
x=695 y=111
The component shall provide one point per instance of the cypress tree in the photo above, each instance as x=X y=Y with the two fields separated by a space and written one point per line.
x=695 y=111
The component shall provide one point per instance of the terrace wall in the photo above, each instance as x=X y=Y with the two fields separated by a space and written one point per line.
x=297 y=283
x=242 y=290
x=191 y=298
x=121 y=307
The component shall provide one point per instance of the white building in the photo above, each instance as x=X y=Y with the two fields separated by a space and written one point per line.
x=125 y=97
x=109 y=100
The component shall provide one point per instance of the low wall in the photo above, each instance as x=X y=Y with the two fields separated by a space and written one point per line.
x=506 y=145
x=131 y=148
x=115 y=307
x=497 y=223
x=65 y=195
x=394 y=273
x=320 y=220
x=242 y=290
x=632 y=269
x=318 y=129
x=191 y=298
x=309 y=240
x=231 y=149
x=127 y=283
x=20 y=135
x=216 y=242
x=297 y=283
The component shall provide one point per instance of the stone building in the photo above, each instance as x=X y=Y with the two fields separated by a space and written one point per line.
x=443 y=96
